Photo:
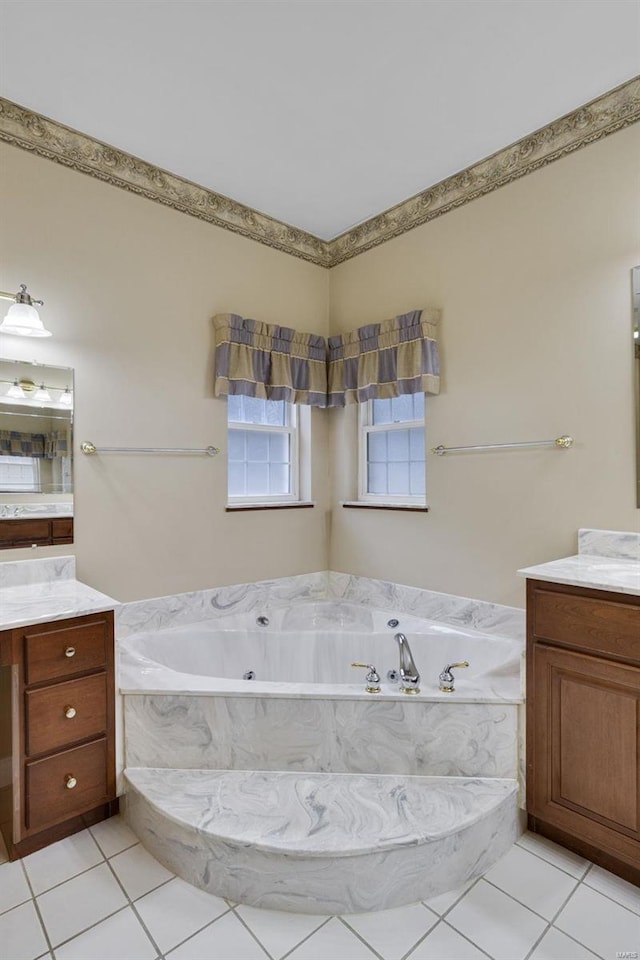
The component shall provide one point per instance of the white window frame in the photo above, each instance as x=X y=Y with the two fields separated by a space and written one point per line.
x=367 y=426
x=33 y=487
x=292 y=429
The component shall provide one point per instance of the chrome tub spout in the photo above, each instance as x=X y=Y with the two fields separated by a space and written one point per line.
x=409 y=676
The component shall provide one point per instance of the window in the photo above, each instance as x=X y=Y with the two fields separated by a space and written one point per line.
x=19 y=474
x=392 y=466
x=263 y=451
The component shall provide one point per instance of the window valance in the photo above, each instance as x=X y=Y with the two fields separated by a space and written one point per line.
x=16 y=444
x=384 y=360
x=270 y=362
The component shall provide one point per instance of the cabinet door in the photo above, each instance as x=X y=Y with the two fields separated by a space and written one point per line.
x=584 y=749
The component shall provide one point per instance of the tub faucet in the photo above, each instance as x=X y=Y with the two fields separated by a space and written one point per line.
x=409 y=676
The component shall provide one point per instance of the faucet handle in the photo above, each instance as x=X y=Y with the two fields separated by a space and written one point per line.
x=447 y=679
x=372 y=678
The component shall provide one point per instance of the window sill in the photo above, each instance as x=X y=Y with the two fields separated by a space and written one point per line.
x=297 y=505
x=364 y=505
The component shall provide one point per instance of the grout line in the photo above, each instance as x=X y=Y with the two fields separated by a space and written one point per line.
x=308 y=937
x=526 y=906
x=612 y=899
x=209 y=923
x=465 y=937
x=254 y=935
x=555 y=917
x=61 y=883
x=90 y=927
x=455 y=902
x=551 y=864
x=359 y=936
x=132 y=905
x=37 y=908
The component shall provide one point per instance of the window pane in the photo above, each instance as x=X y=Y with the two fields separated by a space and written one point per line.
x=398 y=444
x=418 y=406
x=416 y=443
x=237 y=486
x=377 y=446
x=258 y=479
x=377 y=478
x=279 y=479
x=399 y=478
x=277 y=413
x=257 y=445
x=417 y=479
x=381 y=411
x=237 y=450
x=402 y=408
x=279 y=447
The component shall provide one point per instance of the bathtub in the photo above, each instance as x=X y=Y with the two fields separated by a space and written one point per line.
x=306 y=650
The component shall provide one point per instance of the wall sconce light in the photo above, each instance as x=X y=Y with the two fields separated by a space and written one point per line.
x=66 y=398
x=15 y=391
x=22 y=319
x=42 y=394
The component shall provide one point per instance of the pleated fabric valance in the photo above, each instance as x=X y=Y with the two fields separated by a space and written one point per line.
x=270 y=362
x=16 y=444
x=384 y=360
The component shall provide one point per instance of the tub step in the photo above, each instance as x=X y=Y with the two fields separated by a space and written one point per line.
x=319 y=842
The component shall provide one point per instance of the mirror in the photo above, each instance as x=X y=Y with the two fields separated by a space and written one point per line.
x=36 y=453
x=635 y=301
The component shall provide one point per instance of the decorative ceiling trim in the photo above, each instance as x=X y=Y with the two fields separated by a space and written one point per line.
x=46 y=138
x=595 y=120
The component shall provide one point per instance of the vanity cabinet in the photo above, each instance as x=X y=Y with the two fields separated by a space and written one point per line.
x=583 y=722
x=62 y=729
x=43 y=531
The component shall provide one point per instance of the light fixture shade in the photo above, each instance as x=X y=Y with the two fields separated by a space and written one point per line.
x=66 y=398
x=23 y=320
x=16 y=392
x=42 y=394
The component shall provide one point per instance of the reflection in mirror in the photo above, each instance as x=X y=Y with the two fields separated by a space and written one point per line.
x=635 y=299
x=36 y=453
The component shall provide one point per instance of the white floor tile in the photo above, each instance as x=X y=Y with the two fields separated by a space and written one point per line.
x=21 y=935
x=558 y=946
x=392 y=933
x=79 y=903
x=444 y=943
x=497 y=924
x=331 y=942
x=442 y=903
x=121 y=936
x=176 y=911
x=559 y=856
x=113 y=836
x=14 y=888
x=138 y=871
x=61 y=861
x=225 y=939
x=278 y=931
x=534 y=882
x=615 y=887
x=599 y=923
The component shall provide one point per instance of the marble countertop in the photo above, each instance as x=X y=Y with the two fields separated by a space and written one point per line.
x=594 y=572
x=49 y=600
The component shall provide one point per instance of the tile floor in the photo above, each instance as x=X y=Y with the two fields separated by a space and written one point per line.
x=100 y=896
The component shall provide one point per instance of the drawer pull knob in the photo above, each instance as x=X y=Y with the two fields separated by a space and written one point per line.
x=69 y=712
x=70 y=782
x=70 y=652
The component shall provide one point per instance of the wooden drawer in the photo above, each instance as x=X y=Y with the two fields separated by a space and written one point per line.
x=48 y=797
x=48 y=727
x=59 y=650
x=609 y=628
x=25 y=531
x=62 y=530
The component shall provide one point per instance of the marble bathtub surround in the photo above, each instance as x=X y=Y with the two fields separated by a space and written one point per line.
x=37 y=591
x=410 y=737
x=609 y=543
x=388 y=840
x=32 y=510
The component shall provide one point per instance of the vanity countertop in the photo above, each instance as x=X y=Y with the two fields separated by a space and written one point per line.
x=49 y=600
x=594 y=572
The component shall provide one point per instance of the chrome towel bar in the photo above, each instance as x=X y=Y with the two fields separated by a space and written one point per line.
x=87 y=447
x=562 y=443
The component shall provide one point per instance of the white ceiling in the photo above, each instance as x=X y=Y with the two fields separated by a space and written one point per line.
x=321 y=114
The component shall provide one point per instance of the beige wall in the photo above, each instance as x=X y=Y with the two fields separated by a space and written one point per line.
x=130 y=290
x=533 y=281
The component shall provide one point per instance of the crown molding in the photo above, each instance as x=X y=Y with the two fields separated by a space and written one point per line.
x=46 y=138
x=601 y=117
